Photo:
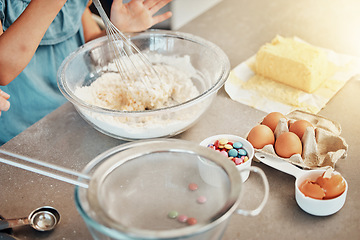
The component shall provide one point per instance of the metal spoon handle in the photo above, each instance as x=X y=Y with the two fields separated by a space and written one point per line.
x=10 y=223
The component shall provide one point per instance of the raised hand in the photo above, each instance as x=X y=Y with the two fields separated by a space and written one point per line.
x=137 y=15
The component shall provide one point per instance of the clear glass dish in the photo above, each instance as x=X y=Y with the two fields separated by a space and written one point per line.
x=210 y=65
x=135 y=186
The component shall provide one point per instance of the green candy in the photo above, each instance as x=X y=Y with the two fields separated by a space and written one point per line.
x=173 y=214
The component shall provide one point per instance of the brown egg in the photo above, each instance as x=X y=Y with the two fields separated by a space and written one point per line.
x=312 y=189
x=333 y=186
x=299 y=127
x=271 y=120
x=261 y=135
x=288 y=144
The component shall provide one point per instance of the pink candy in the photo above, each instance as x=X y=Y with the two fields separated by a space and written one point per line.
x=183 y=218
x=201 y=199
x=193 y=186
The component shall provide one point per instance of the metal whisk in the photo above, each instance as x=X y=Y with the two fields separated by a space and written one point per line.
x=130 y=62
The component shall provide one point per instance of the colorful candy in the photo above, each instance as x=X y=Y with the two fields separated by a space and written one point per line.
x=201 y=199
x=193 y=186
x=173 y=214
x=191 y=221
x=233 y=150
x=183 y=218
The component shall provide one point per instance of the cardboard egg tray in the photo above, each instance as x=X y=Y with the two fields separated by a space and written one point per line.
x=322 y=145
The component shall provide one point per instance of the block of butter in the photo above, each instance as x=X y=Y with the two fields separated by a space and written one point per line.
x=292 y=62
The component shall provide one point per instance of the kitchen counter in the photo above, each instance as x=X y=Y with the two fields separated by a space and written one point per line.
x=239 y=27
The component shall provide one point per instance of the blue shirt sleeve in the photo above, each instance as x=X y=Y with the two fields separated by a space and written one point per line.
x=65 y=25
x=2 y=15
x=34 y=92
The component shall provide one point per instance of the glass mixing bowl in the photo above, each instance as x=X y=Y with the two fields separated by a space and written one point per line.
x=210 y=69
x=140 y=189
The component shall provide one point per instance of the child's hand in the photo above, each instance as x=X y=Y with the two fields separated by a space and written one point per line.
x=4 y=104
x=137 y=15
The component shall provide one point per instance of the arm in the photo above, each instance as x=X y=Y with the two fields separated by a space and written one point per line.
x=91 y=28
x=4 y=104
x=15 y=53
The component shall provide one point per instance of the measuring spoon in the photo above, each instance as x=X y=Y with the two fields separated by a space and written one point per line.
x=312 y=206
x=42 y=219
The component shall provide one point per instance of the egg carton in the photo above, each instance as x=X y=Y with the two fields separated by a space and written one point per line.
x=322 y=145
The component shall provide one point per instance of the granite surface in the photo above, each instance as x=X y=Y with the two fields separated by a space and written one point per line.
x=239 y=27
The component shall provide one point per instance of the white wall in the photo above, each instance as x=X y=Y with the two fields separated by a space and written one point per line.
x=186 y=10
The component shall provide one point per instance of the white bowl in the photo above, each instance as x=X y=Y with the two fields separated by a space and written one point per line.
x=318 y=207
x=310 y=205
x=246 y=145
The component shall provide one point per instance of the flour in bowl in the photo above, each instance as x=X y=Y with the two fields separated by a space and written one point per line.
x=112 y=91
x=180 y=82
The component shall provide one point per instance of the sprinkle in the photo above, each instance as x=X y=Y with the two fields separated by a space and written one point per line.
x=237 y=145
x=201 y=199
x=233 y=153
x=238 y=161
x=242 y=152
x=193 y=186
x=173 y=214
x=182 y=218
x=228 y=146
x=191 y=221
x=224 y=153
x=216 y=144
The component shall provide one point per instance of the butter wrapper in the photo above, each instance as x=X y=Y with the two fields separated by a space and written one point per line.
x=244 y=85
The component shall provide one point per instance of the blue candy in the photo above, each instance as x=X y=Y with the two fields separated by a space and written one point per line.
x=233 y=153
x=237 y=145
x=242 y=152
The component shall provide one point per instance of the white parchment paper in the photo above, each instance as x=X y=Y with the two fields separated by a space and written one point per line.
x=244 y=86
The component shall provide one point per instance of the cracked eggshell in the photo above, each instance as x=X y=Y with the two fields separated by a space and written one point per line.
x=322 y=145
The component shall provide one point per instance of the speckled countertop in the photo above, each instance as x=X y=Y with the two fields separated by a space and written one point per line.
x=239 y=27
